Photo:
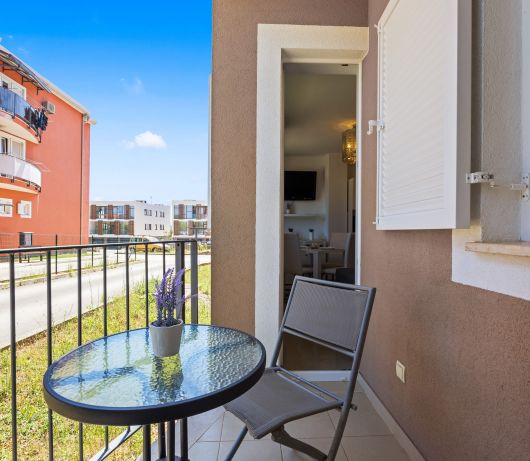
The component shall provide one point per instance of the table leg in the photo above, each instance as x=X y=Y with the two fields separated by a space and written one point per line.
x=184 y=439
x=147 y=443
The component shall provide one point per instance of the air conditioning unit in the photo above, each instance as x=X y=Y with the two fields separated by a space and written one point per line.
x=49 y=107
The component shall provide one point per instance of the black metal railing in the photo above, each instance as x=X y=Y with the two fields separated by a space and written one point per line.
x=17 y=106
x=172 y=253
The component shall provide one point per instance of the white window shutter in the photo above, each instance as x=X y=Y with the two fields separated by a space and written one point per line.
x=424 y=108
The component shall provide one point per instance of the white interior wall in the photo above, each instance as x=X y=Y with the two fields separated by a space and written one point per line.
x=338 y=194
x=319 y=223
x=330 y=207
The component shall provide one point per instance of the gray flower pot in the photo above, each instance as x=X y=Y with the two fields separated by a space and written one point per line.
x=166 y=340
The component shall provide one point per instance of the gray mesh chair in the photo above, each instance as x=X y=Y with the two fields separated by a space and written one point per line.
x=334 y=315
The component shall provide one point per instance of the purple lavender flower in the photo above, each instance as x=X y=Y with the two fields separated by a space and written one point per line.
x=169 y=303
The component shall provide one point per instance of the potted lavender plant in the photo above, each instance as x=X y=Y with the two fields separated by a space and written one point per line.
x=166 y=330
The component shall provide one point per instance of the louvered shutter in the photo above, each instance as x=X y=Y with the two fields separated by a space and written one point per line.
x=424 y=104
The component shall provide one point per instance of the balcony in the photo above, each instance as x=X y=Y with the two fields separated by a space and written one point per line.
x=15 y=110
x=24 y=176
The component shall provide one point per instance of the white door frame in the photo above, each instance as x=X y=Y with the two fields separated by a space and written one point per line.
x=277 y=44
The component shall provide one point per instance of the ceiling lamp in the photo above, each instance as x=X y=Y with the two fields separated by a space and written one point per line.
x=349 y=146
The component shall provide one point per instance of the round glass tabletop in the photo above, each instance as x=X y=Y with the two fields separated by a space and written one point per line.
x=117 y=379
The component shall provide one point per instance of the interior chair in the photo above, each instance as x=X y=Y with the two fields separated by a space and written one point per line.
x=337 y=240
x=348 y=261
x=292 y=258
x=292 y=262
x=333 y=315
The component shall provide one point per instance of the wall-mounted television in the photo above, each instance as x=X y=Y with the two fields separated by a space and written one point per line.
x=300 y=185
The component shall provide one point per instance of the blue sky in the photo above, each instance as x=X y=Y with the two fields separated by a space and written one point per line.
x=142 y=69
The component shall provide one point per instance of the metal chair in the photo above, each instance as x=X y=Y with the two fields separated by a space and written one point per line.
x=334 y=315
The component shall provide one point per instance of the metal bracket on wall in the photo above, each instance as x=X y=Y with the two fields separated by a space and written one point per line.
x=484 y=177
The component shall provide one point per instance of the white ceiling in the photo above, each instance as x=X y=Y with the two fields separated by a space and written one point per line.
x=319 y=105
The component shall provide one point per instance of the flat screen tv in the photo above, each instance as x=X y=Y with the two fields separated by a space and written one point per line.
x=300 y=185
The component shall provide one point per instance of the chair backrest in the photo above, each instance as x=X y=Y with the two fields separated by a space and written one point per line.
x=338 y=240
x=292 y=264
x=332 y=314
x=349 y=251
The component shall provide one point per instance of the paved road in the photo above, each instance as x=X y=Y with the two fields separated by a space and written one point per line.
x=31 y=299
x=36 y=267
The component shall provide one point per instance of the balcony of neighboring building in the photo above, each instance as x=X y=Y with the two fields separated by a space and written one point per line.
x=19 y=174
x=17 y=116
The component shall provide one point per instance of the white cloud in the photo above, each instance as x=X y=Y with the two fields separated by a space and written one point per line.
x=136 y=86
x=146 y=140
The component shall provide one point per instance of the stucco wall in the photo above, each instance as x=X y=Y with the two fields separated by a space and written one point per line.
x=466 y=350
x=233 y=156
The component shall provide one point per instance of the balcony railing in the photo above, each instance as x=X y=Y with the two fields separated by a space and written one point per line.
x=171 y=253
x=15 y=168
x=17 y=106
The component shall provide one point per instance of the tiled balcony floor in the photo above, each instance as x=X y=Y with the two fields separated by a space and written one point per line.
x=366 y=438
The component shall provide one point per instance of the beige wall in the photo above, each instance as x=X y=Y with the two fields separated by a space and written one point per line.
x=233 y=159
x=466 y=350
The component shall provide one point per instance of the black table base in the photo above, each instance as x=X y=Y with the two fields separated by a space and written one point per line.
x=166 y=453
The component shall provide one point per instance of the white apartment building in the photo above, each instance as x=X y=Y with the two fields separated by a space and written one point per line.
x=190 y=218
x=122 y=219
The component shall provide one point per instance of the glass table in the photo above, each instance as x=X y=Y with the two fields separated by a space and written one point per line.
x=116 y=380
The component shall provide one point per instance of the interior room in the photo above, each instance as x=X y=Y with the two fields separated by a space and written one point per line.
x=319 y=168
x=319 y=180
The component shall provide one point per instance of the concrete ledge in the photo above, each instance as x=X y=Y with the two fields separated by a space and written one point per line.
x=518 y=248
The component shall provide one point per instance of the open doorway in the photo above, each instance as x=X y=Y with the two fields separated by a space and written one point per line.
x=319 y=168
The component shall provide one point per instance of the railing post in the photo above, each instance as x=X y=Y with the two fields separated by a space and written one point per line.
x=179 y=264
x=127 y=290
x=80 y=336
x=146 y=285
x=49 y=341
x=13 y=356
x=194 y=262
x=104 y=291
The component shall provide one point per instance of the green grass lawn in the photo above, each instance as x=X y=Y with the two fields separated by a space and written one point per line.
x=32 y=363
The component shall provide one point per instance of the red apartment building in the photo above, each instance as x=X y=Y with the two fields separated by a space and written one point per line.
x=44 y=159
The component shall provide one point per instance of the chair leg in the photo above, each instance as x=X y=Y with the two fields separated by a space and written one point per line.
x=281 y=436
x=236 y=444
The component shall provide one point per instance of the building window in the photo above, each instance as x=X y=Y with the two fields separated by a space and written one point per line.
x=131 y=212
x=10 y=84
x=156 y=226
x=148 y=227
x=101 y=212
x=106 y=228
x=156 y=213
x=148 y=212
x=124 y=228
x=162 y=214
x=6 y=207
x=190 y=212
x=161 y=227
x=119 y=212
x=12 y=146
x=24 y=209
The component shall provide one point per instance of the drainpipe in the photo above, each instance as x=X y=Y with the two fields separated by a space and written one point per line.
x=85 y=119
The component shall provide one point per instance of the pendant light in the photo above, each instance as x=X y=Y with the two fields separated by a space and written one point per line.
x=349 y=146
